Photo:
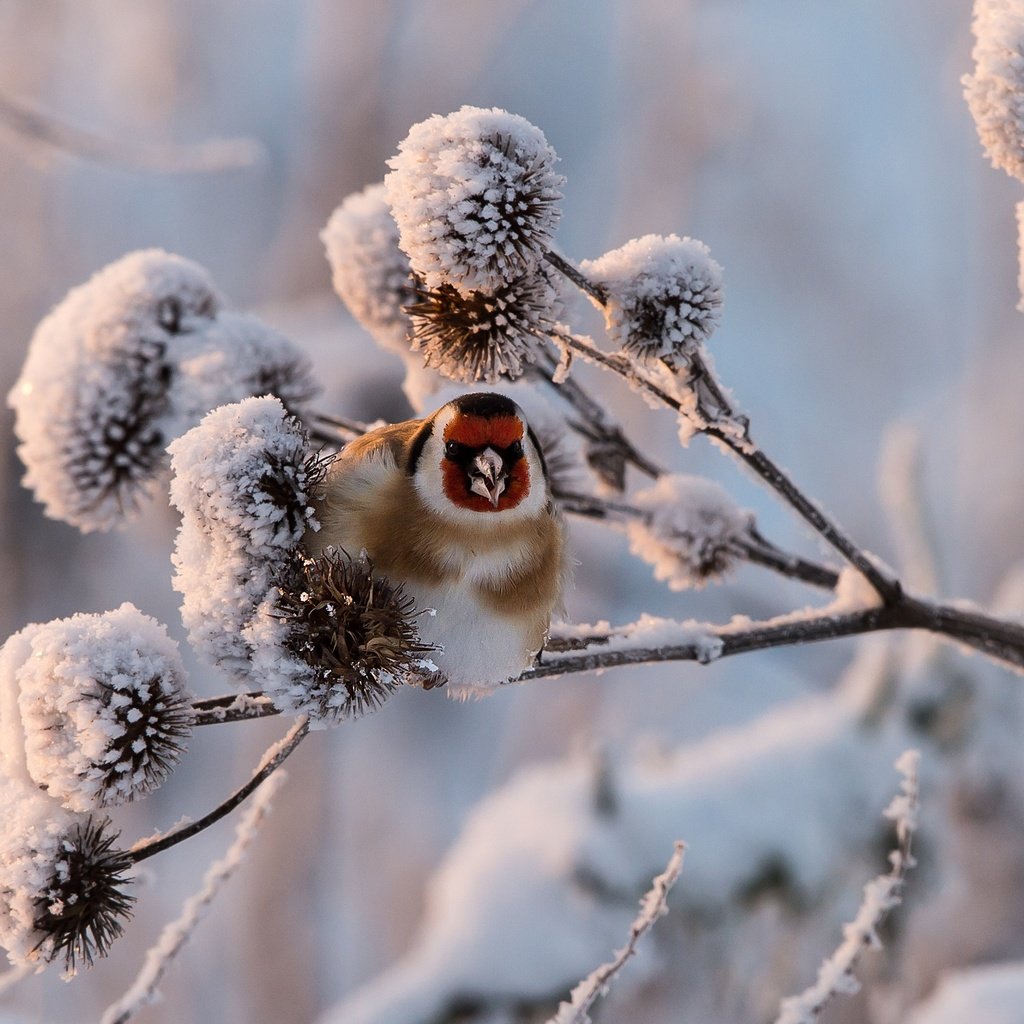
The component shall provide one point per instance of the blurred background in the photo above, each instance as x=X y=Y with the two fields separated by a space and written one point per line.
x=825 y=155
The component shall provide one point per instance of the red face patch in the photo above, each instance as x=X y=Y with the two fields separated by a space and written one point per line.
x=477 y=433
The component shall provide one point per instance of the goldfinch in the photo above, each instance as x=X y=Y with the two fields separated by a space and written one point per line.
x=457 y=508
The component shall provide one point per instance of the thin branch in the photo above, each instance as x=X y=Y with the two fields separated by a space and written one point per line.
x=577 y=277
x=144 y=990
x=272 y=760
x=652 y=906
x=649 y=641
x=881 y=895
x=743 y=448
x=232 y=708
x=40 y=128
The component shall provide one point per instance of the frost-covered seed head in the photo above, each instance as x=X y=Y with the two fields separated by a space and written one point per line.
x=691 y=530
x=473 y=336
x=62 y=881
x=665 y=294
x=369 y=271
x=355 y=631
x=995 y=92
x=91 y=395
x=81 y=909
x=474 y=195
x=126 y=362
x=103 y=706
x=242 y=481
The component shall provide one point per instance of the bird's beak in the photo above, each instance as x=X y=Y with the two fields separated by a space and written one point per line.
x=488 y=476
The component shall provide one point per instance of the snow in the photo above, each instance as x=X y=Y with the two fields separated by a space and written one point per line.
x=239 y=481
x=474 y=194
x=125 y=362
x=800 y=788
x=665 y=294
x=81 y=682
x=995 y=92
x=369 y=271
x=31 y=844
x=688 y=532
x=984 y=994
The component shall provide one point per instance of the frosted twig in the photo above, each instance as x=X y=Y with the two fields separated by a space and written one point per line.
x=652 y=906
x=743 y=448
x=42 y=129
x=881 y=895
x=597 y=649
x=174 y=936
x=232 y=708
x=274 y=757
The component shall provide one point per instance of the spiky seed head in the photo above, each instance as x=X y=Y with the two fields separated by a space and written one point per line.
x=369 y=271
x=356 y=632
x=477 y=335
x=82 y=908
x=104 y=707
x=691 y=530
x=665 y=295
x=474 y=194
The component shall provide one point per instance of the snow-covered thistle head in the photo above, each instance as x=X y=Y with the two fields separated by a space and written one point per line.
x=62 y=883
x=690 y=532
x=123 y=364
x=242 y=481
x=369 y=271
x=481 y=336
x=474 y=194
x=103 y=707
x=664 y=294
x=995 y=92
x=354 y=632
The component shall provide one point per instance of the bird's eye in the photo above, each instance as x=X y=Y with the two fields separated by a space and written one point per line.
x=451 y=449
x=515 y=450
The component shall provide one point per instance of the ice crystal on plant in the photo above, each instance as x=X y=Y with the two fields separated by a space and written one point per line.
x=477 y=335
x=103 y=706
x=351 y=636
x=474 y=194
x=241 y=480
x=664 y=294
x=126 y=362
x=995 y=92
x=62 y=882
x=689 y=531
x=369 y=271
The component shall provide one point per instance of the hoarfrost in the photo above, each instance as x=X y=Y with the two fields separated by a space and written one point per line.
x=474 y=194
x=689 y=532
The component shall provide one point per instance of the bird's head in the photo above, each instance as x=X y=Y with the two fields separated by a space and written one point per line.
x=477 y=454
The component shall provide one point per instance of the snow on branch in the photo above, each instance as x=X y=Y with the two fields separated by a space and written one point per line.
x=652 y=906
x=144 y=990
x=881 y=895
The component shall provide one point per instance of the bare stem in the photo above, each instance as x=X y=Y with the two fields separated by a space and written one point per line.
x=278 y=755
x=578 y=278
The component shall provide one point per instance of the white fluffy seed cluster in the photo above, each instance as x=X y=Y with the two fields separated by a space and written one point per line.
x=124 y=363
x=995 y=92
x=665 y=294
x=691 y=525
x=32 y=845
x=101 y=703
x=369 y=271
x=240 y=482
x=474 y=194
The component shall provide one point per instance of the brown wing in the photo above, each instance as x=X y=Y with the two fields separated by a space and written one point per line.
x=393 y=439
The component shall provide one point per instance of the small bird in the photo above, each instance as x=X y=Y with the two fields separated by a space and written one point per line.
x=456 y=507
